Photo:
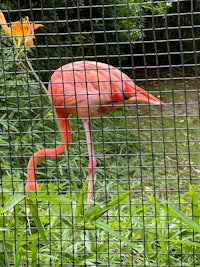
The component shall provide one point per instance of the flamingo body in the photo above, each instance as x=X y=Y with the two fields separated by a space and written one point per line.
x=86 y=89
x=89 y=89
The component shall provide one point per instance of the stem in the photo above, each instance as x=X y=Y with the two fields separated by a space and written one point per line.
x=37 y=78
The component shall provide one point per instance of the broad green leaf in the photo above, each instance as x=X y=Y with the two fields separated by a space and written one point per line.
x=14 y=200
x=117 y=199
x=92 y=212
x=180 y=215
x=3 y=229
x=34 y=212
x=55 y=199
x=184 y=242
x=71 y=257
x=96 y=212
x=6 y=191
x=117 y=234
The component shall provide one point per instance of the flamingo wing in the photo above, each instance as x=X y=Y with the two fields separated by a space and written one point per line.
x=91 y=88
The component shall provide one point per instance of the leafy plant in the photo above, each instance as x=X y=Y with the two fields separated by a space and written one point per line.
x=188 y=222
x=38 y=222
x=62 y=229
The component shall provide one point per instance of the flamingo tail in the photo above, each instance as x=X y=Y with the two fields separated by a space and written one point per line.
x=134 y=93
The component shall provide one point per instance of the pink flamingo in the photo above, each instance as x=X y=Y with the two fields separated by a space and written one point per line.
x=86 y=89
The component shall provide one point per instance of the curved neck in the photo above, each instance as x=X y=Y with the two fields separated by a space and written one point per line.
x=64 y=126
x=31 y=184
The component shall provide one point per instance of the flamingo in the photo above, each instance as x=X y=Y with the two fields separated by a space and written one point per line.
x=86 y=89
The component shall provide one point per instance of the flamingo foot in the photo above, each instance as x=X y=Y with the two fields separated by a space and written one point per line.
x=31 y=186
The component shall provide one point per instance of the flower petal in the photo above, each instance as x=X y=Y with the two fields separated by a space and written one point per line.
x=3 y=24
x=28 y=41
x=17 y=29
x=36 y=26
x=21 y=30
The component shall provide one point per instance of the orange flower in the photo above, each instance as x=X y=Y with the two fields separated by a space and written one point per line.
x=21 y=30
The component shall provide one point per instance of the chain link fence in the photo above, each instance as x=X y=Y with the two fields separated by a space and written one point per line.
x=99 y=143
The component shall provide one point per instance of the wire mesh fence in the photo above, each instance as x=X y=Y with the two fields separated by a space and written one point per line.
x=94 y=170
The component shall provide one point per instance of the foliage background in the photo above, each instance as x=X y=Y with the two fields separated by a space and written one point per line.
x=76 y=36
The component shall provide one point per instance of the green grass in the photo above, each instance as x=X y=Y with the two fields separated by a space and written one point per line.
x=147 y=157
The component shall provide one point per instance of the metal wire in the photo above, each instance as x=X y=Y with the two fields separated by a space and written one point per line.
x=145 y=210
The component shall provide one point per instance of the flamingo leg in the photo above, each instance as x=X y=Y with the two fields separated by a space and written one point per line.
x=92 y=161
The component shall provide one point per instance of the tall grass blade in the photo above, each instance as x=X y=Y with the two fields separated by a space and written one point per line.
x=80 y=200
x=2 y=261
x=34 y=212
x=4 y=256
x=195 y=204
x=18 y=249
x=34 y=253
